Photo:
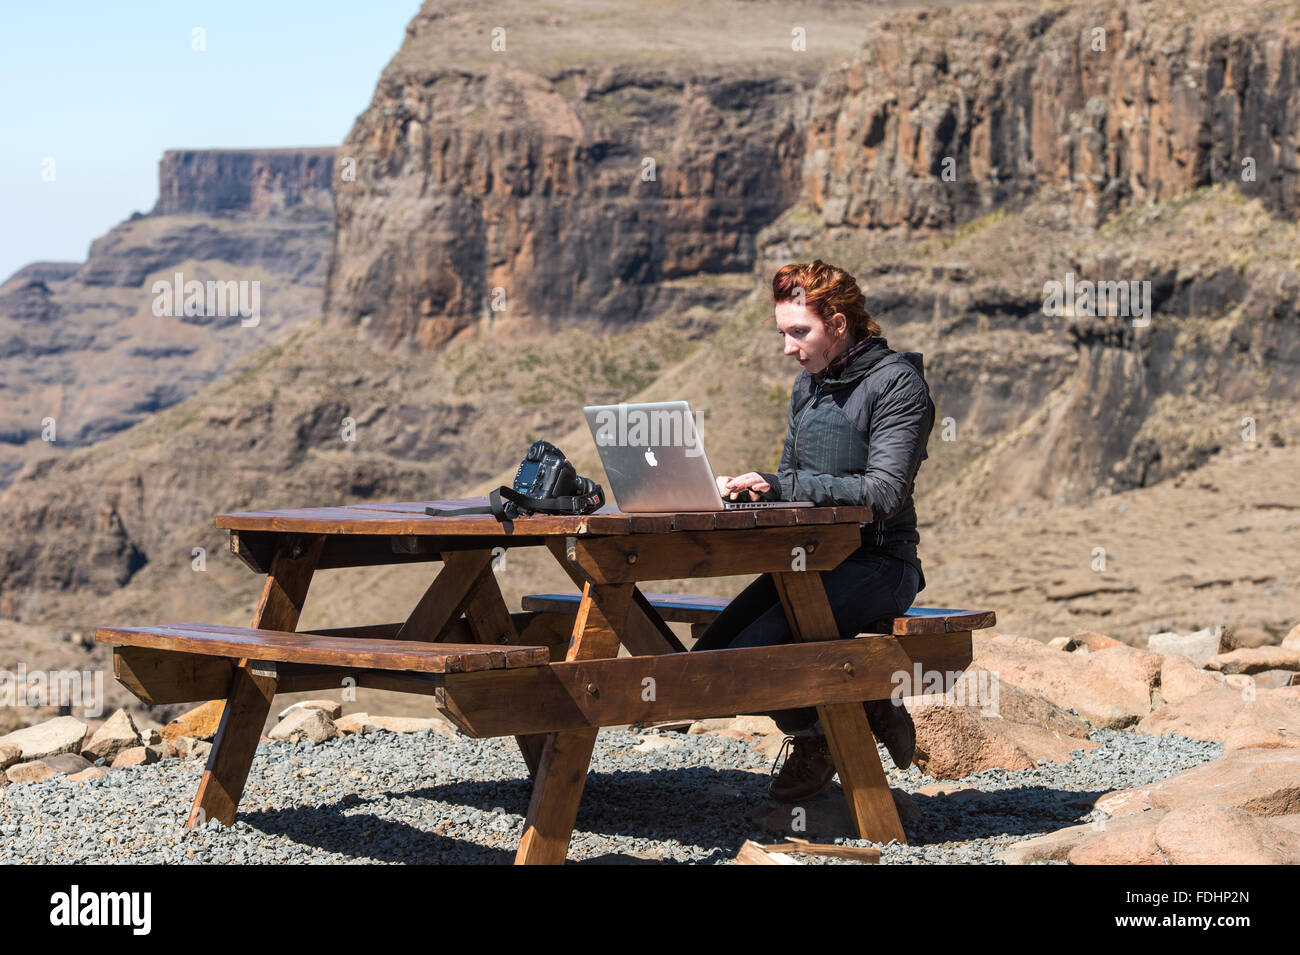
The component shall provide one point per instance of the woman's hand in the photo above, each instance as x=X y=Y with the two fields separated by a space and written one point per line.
x=752 y=481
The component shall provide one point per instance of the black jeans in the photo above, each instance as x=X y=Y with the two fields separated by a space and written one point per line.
x=861 y=590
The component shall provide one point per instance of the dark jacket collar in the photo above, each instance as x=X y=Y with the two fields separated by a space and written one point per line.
x=850 y=367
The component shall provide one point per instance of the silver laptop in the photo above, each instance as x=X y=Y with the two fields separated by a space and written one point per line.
x=655 y=461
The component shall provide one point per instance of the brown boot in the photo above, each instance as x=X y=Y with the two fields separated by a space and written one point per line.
x=893 y=726
x=807 y=772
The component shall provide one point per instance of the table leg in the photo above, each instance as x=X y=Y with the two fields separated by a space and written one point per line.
x=249 y=699
x=562 y=773
x=853 y=747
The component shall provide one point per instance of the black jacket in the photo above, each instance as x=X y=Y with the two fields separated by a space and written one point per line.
x=860 y=438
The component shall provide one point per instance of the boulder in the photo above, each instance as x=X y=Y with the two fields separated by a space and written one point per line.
x=412 y=724
x=355 y=723
x=331 y=709
x=136 y=756
x=1214 y=714
x=1111 y=687
x=1208 y=834
x=117 y=734
x=66 y=763
x=35 y=771
x=199 y=723
x=1094 y=641
x=1265 y=782
x=63 y=734
x=94 y=772
x=1056 y=846
x=969 y=728
x=305 y=723
x=1292 y=640
x=741 y=725
x=1272 y=679
x=10 y=753
x=1255 y=660
x=1199 y=647
x=1180 y=678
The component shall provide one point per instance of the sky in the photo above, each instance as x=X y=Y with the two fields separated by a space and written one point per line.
x=92 y=93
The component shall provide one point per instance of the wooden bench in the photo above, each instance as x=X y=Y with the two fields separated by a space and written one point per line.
x=699 y=612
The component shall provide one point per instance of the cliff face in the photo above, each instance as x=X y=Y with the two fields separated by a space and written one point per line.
x=575 y=178
x=250 y=216
x=1111 y=104
x=255 y=182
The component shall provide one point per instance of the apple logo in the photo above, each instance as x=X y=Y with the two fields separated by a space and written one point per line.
x=650 y=459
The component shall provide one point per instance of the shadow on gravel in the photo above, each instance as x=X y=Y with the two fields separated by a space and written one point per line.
x=713 y=810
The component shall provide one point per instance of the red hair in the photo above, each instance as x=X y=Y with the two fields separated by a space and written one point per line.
x=825 y=290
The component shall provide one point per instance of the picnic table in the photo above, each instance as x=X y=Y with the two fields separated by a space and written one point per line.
x=550 y=676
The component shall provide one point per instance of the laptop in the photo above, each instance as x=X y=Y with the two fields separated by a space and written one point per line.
x=655 y=461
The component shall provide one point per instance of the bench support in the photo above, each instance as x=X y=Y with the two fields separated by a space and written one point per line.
x=562 y=772
x=852 y=746
x=248 y=700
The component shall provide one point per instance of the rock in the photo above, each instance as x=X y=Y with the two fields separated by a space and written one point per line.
x=66 y=763
x=1292 y=640
x=1255 y=660
x=188 y=747
x=411 y=724
x=4 y=779
x=1209 y=834
x=1134 y=845
x=1111 y=687
x=1272 y=679
x=954 y=740
x=1094 y=641
x=94 y=772
x=31 y=772
x=1061 y=643
x=1199 y=647
x=10 y=753
x=741 y=725
x=1262 y=781
x=355 y=723
x=1180 y=678
x=150 y=737
x=305 y=723
x=331 y=709
x=63 y=734
x=1271 y=718
x=201 y=722
x=136 y=756
x=1056 y=846
x=649 y=744
x=118 y=733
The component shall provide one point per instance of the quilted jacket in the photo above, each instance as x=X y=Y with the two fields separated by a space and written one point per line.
x=858 y=435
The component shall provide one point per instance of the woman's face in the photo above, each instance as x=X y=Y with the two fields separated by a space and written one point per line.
x=807 y=338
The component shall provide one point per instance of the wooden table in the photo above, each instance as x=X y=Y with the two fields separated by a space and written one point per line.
x=556 y=709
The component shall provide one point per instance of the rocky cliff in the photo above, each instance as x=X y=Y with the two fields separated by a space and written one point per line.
x=222 y=216
x=946 y=116
x=255 y=182
x=566 y=177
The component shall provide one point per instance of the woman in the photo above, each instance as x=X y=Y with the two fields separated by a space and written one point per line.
x=860 y=417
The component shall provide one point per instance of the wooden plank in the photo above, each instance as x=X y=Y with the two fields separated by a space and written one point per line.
x=675 y=608
x=921 y=620
x=751 y=853
x=562 y=772
x=167 y=676
x=290 y=647
x=248 y=701
x=645 y=632
x=711 y=554
x=446 y=596
x=699 y=685
x=865 y=854
x=490 y=622
x=852 y=746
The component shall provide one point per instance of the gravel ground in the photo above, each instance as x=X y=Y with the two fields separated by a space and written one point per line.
x=423 y=798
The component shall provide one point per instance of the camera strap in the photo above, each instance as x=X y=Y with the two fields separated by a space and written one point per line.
x=506 y=504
